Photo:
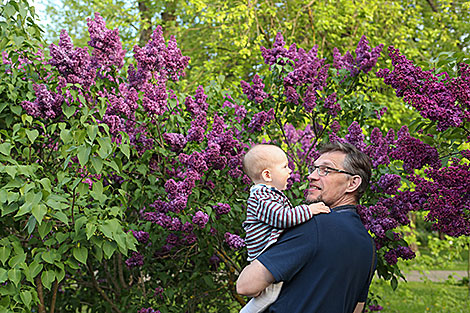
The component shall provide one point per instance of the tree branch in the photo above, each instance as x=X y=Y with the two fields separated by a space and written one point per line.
x=41 y=308
x=98 y=288
x=54 y=295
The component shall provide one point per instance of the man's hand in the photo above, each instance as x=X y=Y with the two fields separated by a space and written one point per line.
x=254 y=279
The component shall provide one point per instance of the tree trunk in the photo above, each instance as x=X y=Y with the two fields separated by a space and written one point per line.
x=146 y=25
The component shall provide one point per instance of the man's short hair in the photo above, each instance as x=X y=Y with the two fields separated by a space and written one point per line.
x=356 y=162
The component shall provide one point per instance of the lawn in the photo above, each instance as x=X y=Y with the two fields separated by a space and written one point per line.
x=419 y=297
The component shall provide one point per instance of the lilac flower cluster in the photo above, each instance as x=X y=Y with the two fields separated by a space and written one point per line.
x=158 y=60
x=197 y=107
x=200 y=219
x=259 y=120
x=388 y=183
x=47 y=105
x=222 y=208
x=73 y=64
x=392 y=255
x=380 y=147
x=239 y=111
x=106 y=43
x=365 y=60
x=278 y=53
x=234 y=241
x=136 y=260
x=176 y=141
x=447 y=197
x=414 y=153
x=158 y=293
x=141 y=236
x=444 y=101
x=254 y=92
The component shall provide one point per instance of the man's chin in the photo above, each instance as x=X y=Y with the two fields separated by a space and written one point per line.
x=313 y=199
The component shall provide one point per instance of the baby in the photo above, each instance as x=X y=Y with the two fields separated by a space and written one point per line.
x=269 y=211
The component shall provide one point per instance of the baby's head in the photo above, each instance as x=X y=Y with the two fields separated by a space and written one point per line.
x=267 y=164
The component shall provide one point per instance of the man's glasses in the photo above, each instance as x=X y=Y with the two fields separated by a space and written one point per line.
x=323 y=170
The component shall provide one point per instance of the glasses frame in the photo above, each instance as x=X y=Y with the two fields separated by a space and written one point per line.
x=327 y=170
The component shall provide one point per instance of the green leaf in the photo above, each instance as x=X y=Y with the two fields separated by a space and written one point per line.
x=35 y=268
x=83 y=154
x=17 y=260
x=14 y=275
x=26 y=297
x=3 y=275
x=92 y=130
x=80 y=254
x=44 y=229
x=90 y=230
x=50 y=256
x=47 y=278
x=61 y=217
x=97 y=163
x=4 y=254
x=125 y=149
x=109 y=248
x=39 y=211
x=11 y=170
x=32 y=135
x=60 y=275
x=46 y=184
x=5 y=148
x=68 y=110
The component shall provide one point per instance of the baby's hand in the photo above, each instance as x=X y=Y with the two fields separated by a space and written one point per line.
x=319 y=207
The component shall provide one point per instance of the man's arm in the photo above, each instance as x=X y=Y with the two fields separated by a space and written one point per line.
x=359 y=307
x=253 y=279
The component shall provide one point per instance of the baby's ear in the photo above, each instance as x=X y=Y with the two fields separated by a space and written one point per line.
x=266 y=175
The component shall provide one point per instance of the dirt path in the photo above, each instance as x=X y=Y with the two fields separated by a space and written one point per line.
x=436 y=276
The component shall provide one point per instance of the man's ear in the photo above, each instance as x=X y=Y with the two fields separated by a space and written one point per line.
x=354 y=183
x=266 y=175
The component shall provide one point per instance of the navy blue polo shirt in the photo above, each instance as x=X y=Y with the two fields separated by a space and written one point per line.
x=324 y=263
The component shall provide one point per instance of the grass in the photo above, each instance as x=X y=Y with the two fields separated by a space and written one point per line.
x=422 y=297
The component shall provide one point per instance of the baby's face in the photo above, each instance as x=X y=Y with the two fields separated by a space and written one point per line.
x=280 y=171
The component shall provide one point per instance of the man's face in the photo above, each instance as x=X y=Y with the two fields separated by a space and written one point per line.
x=330 y=189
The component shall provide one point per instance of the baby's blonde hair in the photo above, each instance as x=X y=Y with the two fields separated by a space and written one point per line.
x=258 y=158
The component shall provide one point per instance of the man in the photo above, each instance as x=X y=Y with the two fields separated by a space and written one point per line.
x=326 y=263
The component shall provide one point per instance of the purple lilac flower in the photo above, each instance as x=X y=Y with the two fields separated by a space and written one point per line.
x=141 y=236
x=136 y=260
x=375 y=308
x=365 y=60
x=163 y=62
x=222 y=208
x=355 y=136
x=74 y=64
x=444 y=101
x=106 y=43
x=414 y=153
x=200 y=219
x=271 y=56
x=155 y=97
x=176 y=141
x=158 y=293
x=172 y=239
x=234 y=241
x=389 y=183
x=260 y=119
x=47 y=105
x=254 y=92
x=189 y=239
x=332 y=105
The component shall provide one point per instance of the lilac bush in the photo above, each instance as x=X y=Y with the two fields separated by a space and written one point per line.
x=132 y=191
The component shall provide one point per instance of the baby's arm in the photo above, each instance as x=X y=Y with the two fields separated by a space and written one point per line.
x=271 y=211
x=319 y=207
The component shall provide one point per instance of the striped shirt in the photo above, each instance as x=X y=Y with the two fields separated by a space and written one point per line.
x=269 y=212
